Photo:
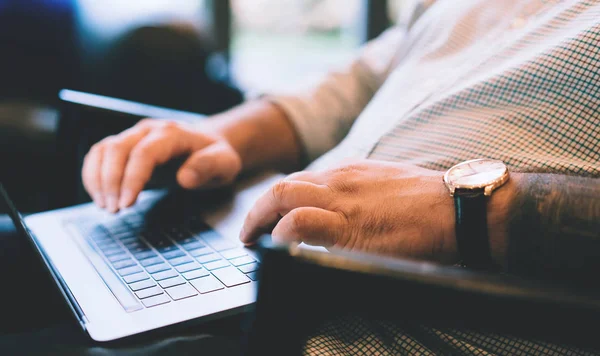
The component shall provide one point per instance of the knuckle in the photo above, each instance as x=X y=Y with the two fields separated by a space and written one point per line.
x=113 y=144
x=344 y=185
x=297 y=176
x=296 y=221
x=280 y=190
x=96 y=148
x=146 y=122
x=349 y=169
x=169 y=127
x=141 y=151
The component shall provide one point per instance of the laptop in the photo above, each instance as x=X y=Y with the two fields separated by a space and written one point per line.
x=174 y=256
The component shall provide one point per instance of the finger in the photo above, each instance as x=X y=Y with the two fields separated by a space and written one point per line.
x=313 y=226
x=116 y=152
x=306 y=176
x=217 y=163
x=91 y=174
x=154 y=149
x=278 y=201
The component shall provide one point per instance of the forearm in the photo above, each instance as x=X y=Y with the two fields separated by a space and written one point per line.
x=262 y=135
x=552 y=227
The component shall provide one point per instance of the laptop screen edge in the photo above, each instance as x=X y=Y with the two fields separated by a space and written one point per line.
x=22 y=229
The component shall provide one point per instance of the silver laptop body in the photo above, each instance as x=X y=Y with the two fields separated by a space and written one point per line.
x=113 y=303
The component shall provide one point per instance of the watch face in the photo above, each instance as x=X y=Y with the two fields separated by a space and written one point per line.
x=476 y=173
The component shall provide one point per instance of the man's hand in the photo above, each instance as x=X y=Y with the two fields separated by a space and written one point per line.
x=117 y=168
x=372 y=206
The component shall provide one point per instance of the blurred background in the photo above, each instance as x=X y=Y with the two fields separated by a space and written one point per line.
x=202 y=56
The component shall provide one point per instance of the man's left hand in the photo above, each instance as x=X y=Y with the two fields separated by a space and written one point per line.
x=372 y=206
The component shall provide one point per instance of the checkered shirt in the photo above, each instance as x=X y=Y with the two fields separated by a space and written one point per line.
x=514 y=80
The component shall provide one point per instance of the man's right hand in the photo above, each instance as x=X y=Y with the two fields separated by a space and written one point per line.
x=117 y=168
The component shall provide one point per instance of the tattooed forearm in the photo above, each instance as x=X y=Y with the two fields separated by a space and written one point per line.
x=555 y=228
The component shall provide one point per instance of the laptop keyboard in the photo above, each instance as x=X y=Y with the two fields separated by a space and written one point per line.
x=169 y=263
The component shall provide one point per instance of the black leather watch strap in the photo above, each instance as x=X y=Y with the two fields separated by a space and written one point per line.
x=471 y=228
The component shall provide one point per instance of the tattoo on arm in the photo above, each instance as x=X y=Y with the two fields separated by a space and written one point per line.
x=555 y=229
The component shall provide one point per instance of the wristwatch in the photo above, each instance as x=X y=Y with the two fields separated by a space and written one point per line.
x=470 y=183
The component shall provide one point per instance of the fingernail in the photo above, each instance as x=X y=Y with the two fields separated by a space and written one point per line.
x=242 y=235
x=189 y=176
x=111 y=204
x=99 y=200
x=126 y=199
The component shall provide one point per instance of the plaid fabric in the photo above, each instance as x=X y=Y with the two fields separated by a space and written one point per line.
x=355 y=335
x=531 y=99
x=537 y=114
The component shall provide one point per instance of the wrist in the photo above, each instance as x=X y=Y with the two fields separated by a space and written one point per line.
x=498 y=217
x=261 y=135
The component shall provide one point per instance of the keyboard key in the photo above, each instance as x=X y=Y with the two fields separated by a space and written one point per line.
x=156 y=300
x=167 y=248
x=136 y=251
x=209 y=236
x=197 y=273
x=192 y=245
x=112 y=251
x=148 y=292
x=106 y=245
x=124 y=263
x=171 y=282
x=173 y=254
x=158 y=268
x=181 y=292
x=164 y=275
x=188 y=267
x=97 y=234
x=180 y=260
x=230 y=276
x=250 y=267
x=144 y=255
x=102 y=238
x=200 y=252
x=253 y=276
x=118 y=228
x=151 y=261
x=207 y=284
x=129 y=239
x=216 y=241
x=216 y=264
x=119 y=257
x=242 y=261
x=132 y=278
x=147 y=283
x=180 y=236
x=235 y=253
x=188 y=240
x=129 y=270
x=124 y=235
x=208 y=258
x=136 y=245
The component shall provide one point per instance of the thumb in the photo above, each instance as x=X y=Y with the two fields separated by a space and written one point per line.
x=218 y=163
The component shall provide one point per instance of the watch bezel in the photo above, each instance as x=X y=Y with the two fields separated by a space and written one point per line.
x=488 y=187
